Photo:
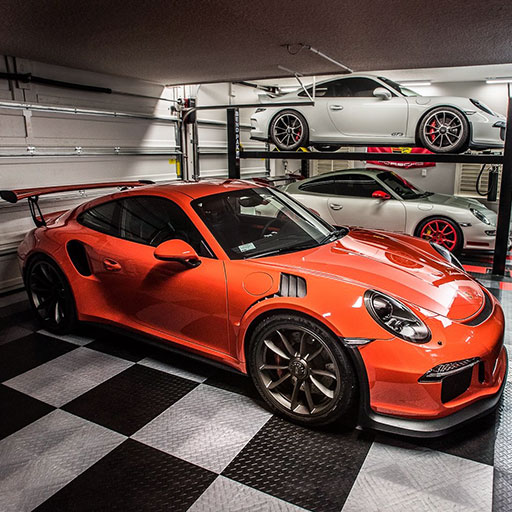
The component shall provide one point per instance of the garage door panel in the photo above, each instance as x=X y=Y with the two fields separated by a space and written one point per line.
x=12 y=128
x=61 y=130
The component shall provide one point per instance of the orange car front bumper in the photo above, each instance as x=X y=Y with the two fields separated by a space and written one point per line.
x=395 y=398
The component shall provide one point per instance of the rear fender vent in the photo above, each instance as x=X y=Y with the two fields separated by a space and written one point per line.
x=292 y=286
x=78 y=257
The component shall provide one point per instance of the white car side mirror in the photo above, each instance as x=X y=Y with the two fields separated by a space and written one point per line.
x=382 y=93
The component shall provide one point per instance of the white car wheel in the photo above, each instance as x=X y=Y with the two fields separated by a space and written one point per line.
x=444 y=130
x=289 y=130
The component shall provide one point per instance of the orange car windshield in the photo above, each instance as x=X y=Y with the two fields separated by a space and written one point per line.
x=259 y=222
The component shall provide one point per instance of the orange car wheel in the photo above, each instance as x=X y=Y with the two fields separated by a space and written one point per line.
x=301 y=370
x=50 y=295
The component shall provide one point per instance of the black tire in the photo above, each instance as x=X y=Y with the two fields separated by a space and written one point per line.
x=458 y=240
x=326 y=147
x=444 y=130
x=289 y=130
x=50 y=295
x=312 y=406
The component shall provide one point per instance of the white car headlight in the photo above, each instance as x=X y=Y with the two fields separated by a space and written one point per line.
x=395 y=317
x=480 y=216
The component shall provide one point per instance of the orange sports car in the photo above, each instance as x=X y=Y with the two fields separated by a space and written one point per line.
x=384 y=330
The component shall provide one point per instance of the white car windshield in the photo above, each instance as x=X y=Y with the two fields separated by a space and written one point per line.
x=401 y=186
x=398 y=87
x=257 y=222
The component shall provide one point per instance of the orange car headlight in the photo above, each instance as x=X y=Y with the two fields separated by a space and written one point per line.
x=395 y=317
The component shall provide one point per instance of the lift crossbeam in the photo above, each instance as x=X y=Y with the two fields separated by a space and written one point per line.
x=362 y=156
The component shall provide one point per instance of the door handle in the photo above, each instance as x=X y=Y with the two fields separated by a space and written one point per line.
x=336 y=206
x=336 y=107
x=111 y=265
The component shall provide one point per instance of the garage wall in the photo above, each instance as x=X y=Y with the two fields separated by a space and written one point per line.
x=55 y=136
x=212 y=127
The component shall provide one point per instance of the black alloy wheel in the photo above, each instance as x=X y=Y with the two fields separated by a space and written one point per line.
x=301 y=370
x=50 y=296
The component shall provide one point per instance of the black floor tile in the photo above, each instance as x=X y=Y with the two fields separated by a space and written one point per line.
x=16 y=321
x=120 y=346
x=474 y=441
x=23 y=354
x=182 y=360
x=17 y=410
x=310 y=468
x=131 y=399
x=133 y=477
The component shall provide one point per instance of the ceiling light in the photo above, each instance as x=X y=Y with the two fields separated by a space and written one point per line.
x=503 y=80
x=416 y=83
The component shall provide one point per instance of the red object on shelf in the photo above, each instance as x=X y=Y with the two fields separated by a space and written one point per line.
x=401 y=150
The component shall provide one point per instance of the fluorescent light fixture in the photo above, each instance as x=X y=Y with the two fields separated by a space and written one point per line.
x=503 y=80
x=416 y=83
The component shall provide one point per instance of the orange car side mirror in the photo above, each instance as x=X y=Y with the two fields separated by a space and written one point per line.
x=379 y=194
x=178 y=251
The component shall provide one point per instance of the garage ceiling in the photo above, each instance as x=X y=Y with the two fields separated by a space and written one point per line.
x=172 y=42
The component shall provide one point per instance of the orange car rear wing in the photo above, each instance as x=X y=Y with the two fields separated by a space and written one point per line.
x=33 y=194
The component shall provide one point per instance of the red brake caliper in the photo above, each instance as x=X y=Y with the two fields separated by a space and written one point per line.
x=431 y=132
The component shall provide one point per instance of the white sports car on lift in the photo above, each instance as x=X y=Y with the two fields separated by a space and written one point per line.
x=378 y=199
x=375 y=111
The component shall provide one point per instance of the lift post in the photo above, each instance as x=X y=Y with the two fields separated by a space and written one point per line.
x=233 y=126
x=503 y=227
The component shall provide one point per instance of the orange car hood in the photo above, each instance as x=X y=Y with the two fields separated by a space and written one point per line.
x=379 y=261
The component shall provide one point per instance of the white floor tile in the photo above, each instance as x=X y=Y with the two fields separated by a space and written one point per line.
x=207 y=427
x=68 y=376
x=397 y=479
x=43 y=457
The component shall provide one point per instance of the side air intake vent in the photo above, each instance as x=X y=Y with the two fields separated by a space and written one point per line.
x=78 y=257
x=292 y=286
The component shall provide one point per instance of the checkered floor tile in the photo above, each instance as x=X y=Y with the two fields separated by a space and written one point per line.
x=97 y=421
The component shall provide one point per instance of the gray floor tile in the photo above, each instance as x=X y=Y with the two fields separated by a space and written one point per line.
x=71 y=338
x=207 y=427
x=502 y=499
x=43 y=457
x=68 y=376
x=226 y=495
x=398 y=479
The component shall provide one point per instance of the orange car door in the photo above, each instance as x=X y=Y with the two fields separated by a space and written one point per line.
x=187 y=304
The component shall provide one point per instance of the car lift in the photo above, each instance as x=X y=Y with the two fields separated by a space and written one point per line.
x=236 y=153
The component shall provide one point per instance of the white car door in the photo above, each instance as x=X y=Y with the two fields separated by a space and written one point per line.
x=360 y=116
x=352 y=204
